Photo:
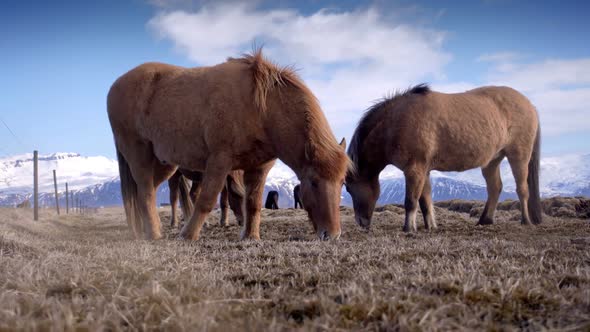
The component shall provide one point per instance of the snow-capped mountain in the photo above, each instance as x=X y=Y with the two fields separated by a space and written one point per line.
x=95 y=180
x=16 y=172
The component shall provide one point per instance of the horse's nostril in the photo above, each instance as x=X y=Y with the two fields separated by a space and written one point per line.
x=324 y=236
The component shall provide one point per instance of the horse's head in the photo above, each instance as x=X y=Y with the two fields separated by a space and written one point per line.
x=321 y=196
x=364 y=190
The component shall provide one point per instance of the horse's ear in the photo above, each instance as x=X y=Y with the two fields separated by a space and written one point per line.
x=343 y=143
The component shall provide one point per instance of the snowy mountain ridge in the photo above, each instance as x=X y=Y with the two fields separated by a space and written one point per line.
x=96 y=178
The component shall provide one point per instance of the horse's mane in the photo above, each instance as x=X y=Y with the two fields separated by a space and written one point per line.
x=373 y=115
x=322 y=150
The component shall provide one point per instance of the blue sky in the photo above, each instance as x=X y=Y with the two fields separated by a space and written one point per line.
x=60 y=58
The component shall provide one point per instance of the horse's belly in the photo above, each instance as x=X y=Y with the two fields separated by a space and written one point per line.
x=460 y=162
x=181 y=152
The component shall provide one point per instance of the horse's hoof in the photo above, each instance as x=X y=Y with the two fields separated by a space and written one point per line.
x=151 y=237
x=485 y=221
x=184 y=236
x=250 y=237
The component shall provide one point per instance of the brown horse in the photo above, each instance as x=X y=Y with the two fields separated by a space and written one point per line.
x=241 y=114
x=232 y=194
x=272 y=200
x=421 y=130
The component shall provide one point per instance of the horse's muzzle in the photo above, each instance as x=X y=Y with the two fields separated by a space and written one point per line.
x=365 y=223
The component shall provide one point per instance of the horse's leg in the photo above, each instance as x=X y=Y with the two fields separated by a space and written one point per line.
x=426 y=205
x=160 y=173
x=415 y=177
x=146 y=204
x=144 y=167
x=194 y=194
x=223 y=204
x=254 y=182
x=213 y=180
x=520 y=170
x=173 y=186
x=236 y=205
x=491 y=173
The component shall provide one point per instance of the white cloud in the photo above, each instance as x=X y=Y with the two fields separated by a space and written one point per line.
x=499 y=57
x=352 y=58
x=562 y=111
x=548 y=74
x=454 y=87
x=348 y=58
x=560 y=90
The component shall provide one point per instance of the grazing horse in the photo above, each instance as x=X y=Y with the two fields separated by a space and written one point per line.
x=296 y=197
x=421 y=130
x=272 y=200
x=240 y=114
x=232 y=194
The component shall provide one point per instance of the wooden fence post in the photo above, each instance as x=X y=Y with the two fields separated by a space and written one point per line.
x=72 y=200
x=35 y=186
x=67 y=199
x=56 y=197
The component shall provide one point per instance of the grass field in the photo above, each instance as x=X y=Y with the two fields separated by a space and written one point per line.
x=87 y=273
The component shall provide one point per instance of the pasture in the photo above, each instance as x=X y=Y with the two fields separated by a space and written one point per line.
x=88 y=273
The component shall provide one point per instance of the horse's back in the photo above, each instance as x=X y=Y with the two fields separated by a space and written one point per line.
x=521 y=116
x=157 y=84
x=459 y=131
x=129 y=91
x=169 y=106
x=506 y=98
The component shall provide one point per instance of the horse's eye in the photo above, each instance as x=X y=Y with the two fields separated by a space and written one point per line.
x=314 y=184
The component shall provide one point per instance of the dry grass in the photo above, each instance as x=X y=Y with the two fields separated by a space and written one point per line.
x=568 y=207
x=86 y=273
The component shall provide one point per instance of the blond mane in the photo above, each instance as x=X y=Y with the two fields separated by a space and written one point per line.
x=322 y=150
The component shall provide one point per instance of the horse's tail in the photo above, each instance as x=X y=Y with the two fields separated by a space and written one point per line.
x=235 y=183
x=129 y=195
x=185 y=200
x=535 y=207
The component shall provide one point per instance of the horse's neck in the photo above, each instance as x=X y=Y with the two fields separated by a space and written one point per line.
x=375 y=154
x=287 y=123
x=289 y=143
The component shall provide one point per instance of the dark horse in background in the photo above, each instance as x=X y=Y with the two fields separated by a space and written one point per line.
x=272 y=200
x=296 y=196
x=232 y=194
x=421 y=130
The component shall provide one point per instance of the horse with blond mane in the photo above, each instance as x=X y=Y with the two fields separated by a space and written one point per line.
x=240 y=114
x=421 y=130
